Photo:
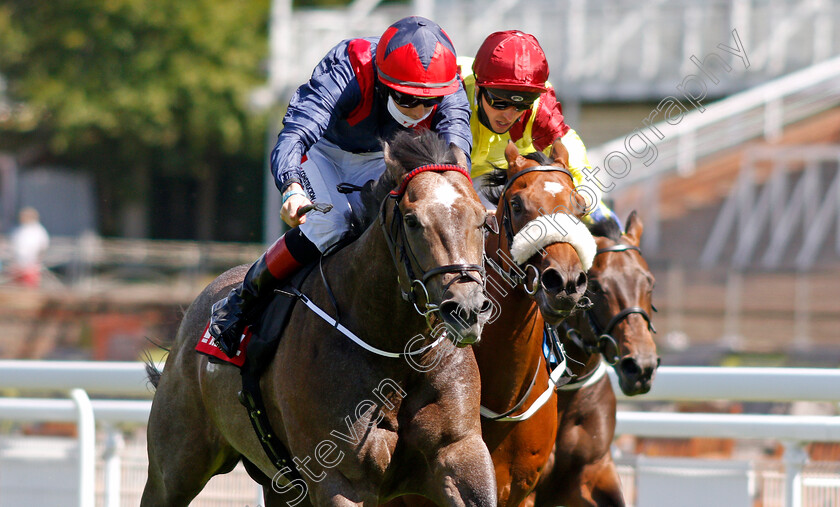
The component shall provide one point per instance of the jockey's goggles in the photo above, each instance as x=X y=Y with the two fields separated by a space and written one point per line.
x=410 y=101
x=503 y=99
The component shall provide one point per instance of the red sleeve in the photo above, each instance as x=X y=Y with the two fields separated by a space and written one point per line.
x=549 y=123
x=361 y=60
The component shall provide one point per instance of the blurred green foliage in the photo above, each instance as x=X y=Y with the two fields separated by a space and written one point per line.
x=142 y=93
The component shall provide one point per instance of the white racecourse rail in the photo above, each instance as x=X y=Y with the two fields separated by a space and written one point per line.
x=128 y=379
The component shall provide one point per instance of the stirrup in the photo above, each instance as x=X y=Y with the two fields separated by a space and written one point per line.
x=224 y=345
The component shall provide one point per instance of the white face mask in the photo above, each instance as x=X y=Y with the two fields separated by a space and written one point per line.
x=403 y=119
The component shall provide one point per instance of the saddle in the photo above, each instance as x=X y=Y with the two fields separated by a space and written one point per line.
x=261 y=338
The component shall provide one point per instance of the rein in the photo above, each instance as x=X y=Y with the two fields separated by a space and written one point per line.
x=397 y=240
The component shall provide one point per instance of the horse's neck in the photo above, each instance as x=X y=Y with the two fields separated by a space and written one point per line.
x=364 y=281
x=582 y=362
x=511 y=346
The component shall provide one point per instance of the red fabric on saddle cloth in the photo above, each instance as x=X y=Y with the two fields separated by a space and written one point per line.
x=207 y=345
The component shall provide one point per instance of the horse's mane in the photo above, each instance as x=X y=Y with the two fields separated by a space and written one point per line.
x=415 y=148
x=408 y=150
x=608 y=228
x=495 y=180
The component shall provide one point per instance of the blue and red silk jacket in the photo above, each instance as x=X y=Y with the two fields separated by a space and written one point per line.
x=340 y=103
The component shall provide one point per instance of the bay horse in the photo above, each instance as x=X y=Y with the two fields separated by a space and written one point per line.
x=539 y=259
x=362 y=428
x=581 y=471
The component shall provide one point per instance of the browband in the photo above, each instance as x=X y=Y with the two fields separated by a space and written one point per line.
x=438 y=168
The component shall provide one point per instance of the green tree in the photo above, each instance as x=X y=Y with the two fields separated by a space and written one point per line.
x=151 y=96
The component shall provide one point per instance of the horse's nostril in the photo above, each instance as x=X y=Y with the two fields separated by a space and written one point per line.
x=630 y=367
x=552 y=281
x=581 y=282
x=449 y=309
x=458 y=314
x=578 y=285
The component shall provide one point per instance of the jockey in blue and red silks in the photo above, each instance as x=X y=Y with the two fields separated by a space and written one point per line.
x=362 y=91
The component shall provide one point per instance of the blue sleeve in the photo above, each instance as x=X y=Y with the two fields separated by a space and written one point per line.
x=331 y=93
x=452 y=120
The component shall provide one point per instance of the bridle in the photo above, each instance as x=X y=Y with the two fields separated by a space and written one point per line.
x=520 y=277
x=605 y=344
x=396 y=238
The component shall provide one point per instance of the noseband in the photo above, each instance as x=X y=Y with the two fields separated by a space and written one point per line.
x=396 y=238
x=605 y=344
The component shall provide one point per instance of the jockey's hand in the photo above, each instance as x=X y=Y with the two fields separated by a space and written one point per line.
x=290 y=212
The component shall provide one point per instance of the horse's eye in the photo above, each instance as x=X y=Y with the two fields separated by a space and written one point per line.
x=411 y=221
x=594 y=285
x=515 y=205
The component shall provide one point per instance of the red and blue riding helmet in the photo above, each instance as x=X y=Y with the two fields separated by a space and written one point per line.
x=416 y=57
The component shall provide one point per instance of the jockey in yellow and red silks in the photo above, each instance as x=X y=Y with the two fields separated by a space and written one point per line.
x=511 y=100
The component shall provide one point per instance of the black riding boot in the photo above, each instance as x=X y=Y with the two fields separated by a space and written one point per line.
x=231 y=314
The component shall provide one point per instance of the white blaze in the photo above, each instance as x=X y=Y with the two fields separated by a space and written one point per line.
x=554 y=188
x=446 y=194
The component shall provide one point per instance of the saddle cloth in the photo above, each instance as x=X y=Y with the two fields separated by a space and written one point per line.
x=260 y=340
x=209 y=346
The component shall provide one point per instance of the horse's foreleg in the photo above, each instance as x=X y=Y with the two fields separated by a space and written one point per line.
x=464 y=475
x=530 y=500
x=602 y=484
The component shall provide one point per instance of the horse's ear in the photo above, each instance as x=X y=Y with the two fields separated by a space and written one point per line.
x=394 y=169
x=511 y=154
x=634 y=228
x=386 y=152
x=460 y=156
x=559 y=154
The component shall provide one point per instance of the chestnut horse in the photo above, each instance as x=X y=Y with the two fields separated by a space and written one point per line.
x=581 y=471
x=539 y=261
x=551 y=251
x=361 y=428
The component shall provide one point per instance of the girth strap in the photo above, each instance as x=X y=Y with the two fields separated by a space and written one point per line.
x=251 y=397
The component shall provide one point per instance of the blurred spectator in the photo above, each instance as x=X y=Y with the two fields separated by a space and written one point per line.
x=29 y=241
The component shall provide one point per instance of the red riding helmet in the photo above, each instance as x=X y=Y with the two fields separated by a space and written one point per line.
x=511 y=60
x=416 y=57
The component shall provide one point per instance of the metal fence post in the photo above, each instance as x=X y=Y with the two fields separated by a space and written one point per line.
x=113 y=467
x=794 y=459
x=87 y=447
